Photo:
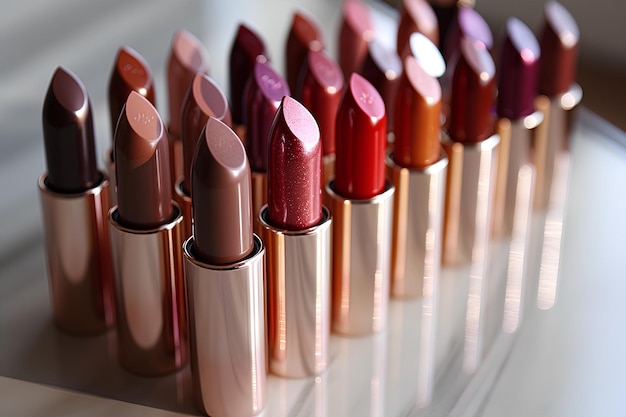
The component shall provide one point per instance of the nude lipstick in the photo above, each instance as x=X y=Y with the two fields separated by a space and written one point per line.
x=296 y=229
x=204 y=99
x=472 y=152
x=74 y=199
x=417 y=168
x=355 y=32
x=321 y=91
x=130 y=72
x=146 y=240
x=187 y=57
x=362 y=206
x=224 y=272
x=416 y=16
x=304 y=35
x=266 y=90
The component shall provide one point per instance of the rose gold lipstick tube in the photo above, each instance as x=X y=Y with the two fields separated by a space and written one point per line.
x=417 y=225
x=361 y=262
x=298 y=286
x=227 y=330
x=150 y=295
x=79 y=257
x=184 y=202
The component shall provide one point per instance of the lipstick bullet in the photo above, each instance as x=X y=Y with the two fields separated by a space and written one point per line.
x=472 y=151
x=146 y=240
x=203 y=100
x=426 y=54
x=304 y=35
x=416 y=16
x=265 y=93
x=417 y=168
x=247 y=47
x=296 y=229
x=224 y=272
x=130 y=72
x=321 y=90
x=468 y=23
x=355 y=32
x=362 y=207
x=188 y=56
x=74 y=199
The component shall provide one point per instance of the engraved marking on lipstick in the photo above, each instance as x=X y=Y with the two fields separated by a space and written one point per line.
x=146 y=119
x=366 y=98
x=271 y=82
x=133 y=69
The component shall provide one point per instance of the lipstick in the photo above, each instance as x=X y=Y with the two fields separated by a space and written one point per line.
x=304 y=35
x=224 y=272
x=426 y=54
x=355 y=32
x=246 y=48
x=321 y=90
x=204 y=99
x=362 y=205
x=296 y=230
x=417 y=168
x=130 y=72
x=187 y=57
x=74 y=199
x=472 y=152
x=416 y=16
x=146 y=241
x=265 y=93
x=557 y=81
x=468 y=23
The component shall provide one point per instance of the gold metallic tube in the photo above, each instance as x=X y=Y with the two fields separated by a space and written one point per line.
x=110 y=166
x=227 y=329
x=298 y=286
x=469 y=198
x=259 y=198
x=417 y=225
x=361 y=261
x=150 y=296
x=184 y=202
x=79 y=257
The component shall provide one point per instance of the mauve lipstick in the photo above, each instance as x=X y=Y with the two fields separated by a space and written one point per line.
x=296 y=229
x=74 y=197
x=304 y=35
x=417 y=168
x=362 y=206
x=146 y=240
x=187 y=57
x=416 y=16
x=355 y=32
x=204 y=98
x=224 y=273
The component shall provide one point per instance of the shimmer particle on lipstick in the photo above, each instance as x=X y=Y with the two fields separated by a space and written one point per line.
x=305 y=35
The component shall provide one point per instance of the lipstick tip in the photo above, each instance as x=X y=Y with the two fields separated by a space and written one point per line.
x=367 y=97
x=417 y=16
x=68 y=90
x=189 y=51
x=210 y=98
x=427 y=55
x=142 y=117
x=307 y=30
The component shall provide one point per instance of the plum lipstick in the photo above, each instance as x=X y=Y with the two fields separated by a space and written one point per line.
x=296 y=229
x=224 y=272
x=146 y=240
x=361 y=205
x=74 y=202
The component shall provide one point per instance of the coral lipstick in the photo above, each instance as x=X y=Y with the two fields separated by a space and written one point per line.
x=361 y=204
x=146 y=236
x=296 y=229
x=224 y=273
x=417 y=168
x=74 y=203
x=304 y=35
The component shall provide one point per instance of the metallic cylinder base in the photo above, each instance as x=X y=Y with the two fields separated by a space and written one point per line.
x=298 y=286
x=79 y=257
x=417 y=226
x=259 y=198
x=184 y=202
x=110 y=167
x=150 y=296
x=469 y=199
x=227 y=329
x=361 y=261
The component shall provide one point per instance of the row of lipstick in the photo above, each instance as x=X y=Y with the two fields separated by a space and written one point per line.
x=240 y=301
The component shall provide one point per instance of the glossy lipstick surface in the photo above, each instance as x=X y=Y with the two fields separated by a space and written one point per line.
x=247 y=46
x=224 y=274
x=74 y=201
x=361 y=141
x=355 y=32
x=426 y=54
x=304 y=35
x=416 y=16
x=468 y=24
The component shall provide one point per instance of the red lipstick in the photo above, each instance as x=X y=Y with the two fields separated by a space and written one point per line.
x=304 y=35
x=203 y=100
x=224 y=273
x=361 y=204
x=74 y=199
x=188 y=56
x=146 y=235
x=355 y=32
x=416 y=16
x=296 y=228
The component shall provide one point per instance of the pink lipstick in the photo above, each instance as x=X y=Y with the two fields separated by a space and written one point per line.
x=362 y=205
x=74 y=199
x=296 y=229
